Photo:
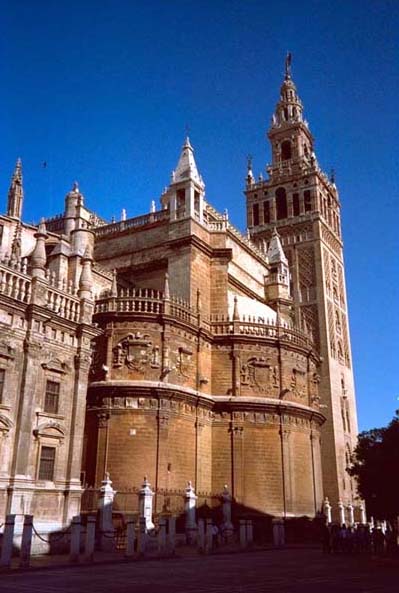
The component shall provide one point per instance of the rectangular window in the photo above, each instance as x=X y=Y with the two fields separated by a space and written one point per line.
x=47 y=462
x=52 y=397
x=266 y=212
x=2 y=380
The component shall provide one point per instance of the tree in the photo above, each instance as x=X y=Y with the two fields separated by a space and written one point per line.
x=375 y=465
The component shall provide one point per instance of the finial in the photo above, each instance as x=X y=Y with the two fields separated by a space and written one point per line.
x=75 y=187
x=153 y=207
x=332 y=175
x=236 y=315
x=288 y=62
x=123 y=214
x=249 y=162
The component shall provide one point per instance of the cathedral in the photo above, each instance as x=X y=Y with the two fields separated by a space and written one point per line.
x=173 y=346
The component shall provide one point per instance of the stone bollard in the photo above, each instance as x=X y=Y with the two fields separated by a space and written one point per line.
x=190 y=501
x=208 y=536
x=142 y=537
x=250 y=533
x=145 y=503
x=75 y=539
x=7 y=545
x=243 y=533
x=201 y=536
x=278 y=533
x=341 y=513
x=227 y=525
x=26 y=541
x=171 y=535
x=130 y=537
x=105 y=502
x=327 y=510
x=90 y=538
x=162 y=537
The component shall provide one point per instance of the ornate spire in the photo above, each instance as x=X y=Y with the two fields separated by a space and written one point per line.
x=16 y=192
x=289 y=109
x=250 y=179
x=275 y=253
x=16 y=245
x=187 y=167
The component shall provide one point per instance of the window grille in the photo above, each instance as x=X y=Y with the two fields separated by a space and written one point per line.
x=47 y=462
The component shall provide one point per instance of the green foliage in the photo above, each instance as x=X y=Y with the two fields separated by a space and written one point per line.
x=375 y=465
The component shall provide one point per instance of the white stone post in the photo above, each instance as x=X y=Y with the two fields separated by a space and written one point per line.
x=105 y=501
x=171 y=535
x=250 y=532
x=145 y=503
x=75 y=539
x=190 y=501
x=142 y=537
x=90 y=538
x=130 y=537
x=341 y=512
x=8 y=538
x=363 y=518
x=243 y=533
x=201 y=536
x=162 y=536
x=327 y=510
x=26 y=541
x=351 y=516
x=208 y=536
x=227 y=526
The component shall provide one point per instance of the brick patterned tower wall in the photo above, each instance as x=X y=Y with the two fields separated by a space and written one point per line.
x=304 y=205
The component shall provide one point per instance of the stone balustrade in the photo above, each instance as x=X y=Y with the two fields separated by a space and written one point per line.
x=60 y=297
x=137 y=221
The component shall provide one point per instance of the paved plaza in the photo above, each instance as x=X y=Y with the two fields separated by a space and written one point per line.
x=282 y=571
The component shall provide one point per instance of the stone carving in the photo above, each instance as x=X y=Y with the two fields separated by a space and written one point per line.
x=259 y=374
x=134 y=351
x=298 y=382
x=55 y=365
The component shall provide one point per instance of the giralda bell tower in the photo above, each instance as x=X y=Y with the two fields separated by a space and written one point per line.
x=303 y=204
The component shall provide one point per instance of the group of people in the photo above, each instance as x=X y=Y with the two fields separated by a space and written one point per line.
x=359 y=539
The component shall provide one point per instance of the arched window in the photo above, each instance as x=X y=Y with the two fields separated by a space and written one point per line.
x=286 y=153
x=281 y=203
x=295 y=204
x=255 y=214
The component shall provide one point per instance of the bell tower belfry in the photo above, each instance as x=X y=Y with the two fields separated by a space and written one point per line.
x=302 y=203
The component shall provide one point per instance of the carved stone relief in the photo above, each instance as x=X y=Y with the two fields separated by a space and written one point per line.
x=259 y=374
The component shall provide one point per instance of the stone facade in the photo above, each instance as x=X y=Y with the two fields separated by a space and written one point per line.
x=171 y=346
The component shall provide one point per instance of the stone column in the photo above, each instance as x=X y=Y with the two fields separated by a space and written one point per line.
x=75 y=540
x=90 y=538
x=162 y=536
x=363 y=518
x=7 y=543
x=278 y=533
x=145 y=503
x=341 y=513
x=208 y=536
x=351 y=518
x=26 y=542
x=250 y=532
x=327 y=510
x=190 y=504
x=227 y=525
x=105 y=502
x=171 y=534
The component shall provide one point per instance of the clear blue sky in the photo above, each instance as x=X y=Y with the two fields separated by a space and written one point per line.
x=103 y=91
